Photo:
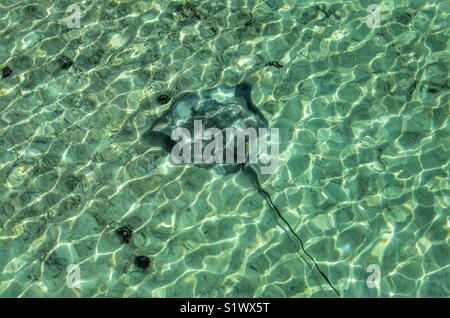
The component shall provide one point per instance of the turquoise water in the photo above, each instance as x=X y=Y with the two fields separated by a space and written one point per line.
x=364 y=150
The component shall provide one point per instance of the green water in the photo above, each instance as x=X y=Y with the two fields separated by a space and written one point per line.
x=364 y=149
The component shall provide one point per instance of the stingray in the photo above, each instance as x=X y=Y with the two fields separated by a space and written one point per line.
x=221 y=107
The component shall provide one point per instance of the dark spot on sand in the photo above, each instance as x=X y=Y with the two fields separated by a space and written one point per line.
x=163 y=99
x=126 y=233
x=143 y=262
x=249 y=22
x=65 y=62
x=274 y=64
x=6 y=71
x=432 y=90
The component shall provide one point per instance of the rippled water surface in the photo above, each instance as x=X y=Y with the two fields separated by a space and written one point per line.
x=364 y=149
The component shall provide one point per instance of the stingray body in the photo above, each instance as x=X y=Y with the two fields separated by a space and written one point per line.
x=221 y=107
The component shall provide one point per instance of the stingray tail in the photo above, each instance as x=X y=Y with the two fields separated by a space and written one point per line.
x=255 y=179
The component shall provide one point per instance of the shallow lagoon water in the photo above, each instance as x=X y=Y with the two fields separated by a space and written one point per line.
x=364 y=149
